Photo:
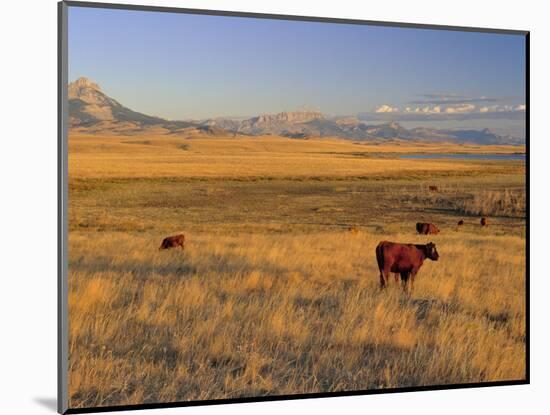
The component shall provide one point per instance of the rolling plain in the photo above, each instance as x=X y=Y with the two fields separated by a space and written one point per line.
x=273 y=295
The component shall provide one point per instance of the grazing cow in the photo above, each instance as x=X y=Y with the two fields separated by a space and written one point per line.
x=433 y=188
x=460 y=222
x=426 y=228
x=402 y=259
x=484 y=221
x=173 y=242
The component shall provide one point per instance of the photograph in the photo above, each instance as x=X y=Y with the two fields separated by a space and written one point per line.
x=262 y=207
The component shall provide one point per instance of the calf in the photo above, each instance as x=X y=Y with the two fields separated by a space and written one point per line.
x=173 y=242
x=402 y=259
x=426 y=228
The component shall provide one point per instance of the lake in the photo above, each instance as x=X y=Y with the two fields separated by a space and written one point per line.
x=465 y=156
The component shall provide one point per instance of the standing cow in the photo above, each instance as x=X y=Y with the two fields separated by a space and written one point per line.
x=484 y=221
x=173 y=242
x=427 y=228
x=403 y=259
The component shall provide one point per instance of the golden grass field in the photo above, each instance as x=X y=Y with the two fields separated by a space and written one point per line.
x=273 y=295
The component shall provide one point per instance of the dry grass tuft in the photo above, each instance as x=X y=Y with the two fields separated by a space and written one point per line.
x=496 y=203
x=281 y=314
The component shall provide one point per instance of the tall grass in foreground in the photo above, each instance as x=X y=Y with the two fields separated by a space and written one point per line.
x=255 y=315
x=496 y=203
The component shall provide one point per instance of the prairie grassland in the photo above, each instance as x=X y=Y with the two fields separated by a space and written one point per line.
x=135 y=157
x=262 y=315
x=272 y=294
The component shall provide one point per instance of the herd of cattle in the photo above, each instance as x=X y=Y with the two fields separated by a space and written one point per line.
x=403 y=260
x=424 y=228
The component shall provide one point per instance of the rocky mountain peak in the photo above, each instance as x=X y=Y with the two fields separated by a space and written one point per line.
x=290 y=117
x=83 y=82
x=85 y=90
x=90 y=107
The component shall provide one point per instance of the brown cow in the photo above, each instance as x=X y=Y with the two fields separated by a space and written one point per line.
x=433 y=188
x=403 y=259
x=484 y=221
x=460 y=222
x=173 y=242
x=427 y=228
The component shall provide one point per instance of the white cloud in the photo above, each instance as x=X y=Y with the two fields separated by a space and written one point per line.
x=451 y=110
x=454 y=109
x=386 y=108
x=426 y=110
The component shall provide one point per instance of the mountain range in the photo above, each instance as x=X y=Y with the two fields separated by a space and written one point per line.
x=92 y=111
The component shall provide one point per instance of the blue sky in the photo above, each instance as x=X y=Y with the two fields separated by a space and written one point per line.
x=190 y=66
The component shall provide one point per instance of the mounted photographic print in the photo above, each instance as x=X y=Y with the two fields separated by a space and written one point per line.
x=258 y=207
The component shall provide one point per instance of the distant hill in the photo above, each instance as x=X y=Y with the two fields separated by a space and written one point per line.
x=92 y=111
x=484 y=136
x=307 y=124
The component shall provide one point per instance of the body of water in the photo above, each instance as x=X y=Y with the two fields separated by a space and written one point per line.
x=465 y=156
